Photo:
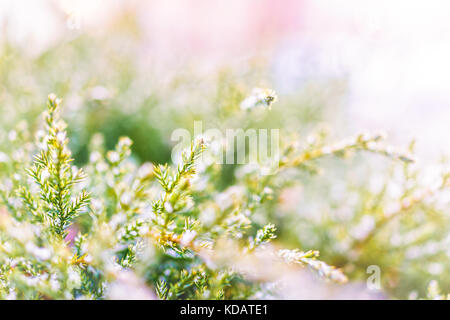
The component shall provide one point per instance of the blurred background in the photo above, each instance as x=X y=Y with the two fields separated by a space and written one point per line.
x=144 y=68
x=365 y=65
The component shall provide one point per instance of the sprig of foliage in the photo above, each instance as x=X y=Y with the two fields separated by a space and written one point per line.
x=309 y=259
x=55 y=176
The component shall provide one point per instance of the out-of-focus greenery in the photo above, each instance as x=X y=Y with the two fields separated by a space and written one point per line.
x=369 y=209
x=111 y=86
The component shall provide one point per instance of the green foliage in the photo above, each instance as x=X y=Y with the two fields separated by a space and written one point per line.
x=129 y=223
x=55 y=177
x=170 y=232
